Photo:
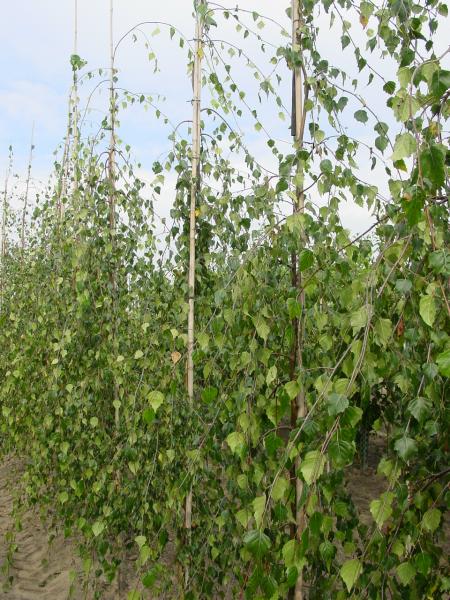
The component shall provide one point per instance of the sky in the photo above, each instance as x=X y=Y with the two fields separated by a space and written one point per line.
x=38 y=39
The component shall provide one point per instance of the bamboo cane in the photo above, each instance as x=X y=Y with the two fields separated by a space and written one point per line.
x=299 y=404
x=195 y=181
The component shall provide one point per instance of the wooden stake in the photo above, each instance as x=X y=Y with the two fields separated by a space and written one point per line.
x=112 y=108
x=27 y=188
x=298 y=408
x=195 y=184
x=76 y=135
x=3 y=240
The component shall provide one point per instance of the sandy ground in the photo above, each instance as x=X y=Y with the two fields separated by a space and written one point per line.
x=40 y=568
x=44 y=569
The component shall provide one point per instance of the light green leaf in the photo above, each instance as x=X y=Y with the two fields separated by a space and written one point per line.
x=140 y=540
x=291 y=555
x=427 y=309
x=98 y=527
x=383 y=331
x=350 y=572
x=405 y=447
x=406 y=573
x=155 y=399
x=236 y=441
x=280 y=488
x=337 y=403
x=381 y=509
x=312 y=466
x=292 y=389
x=138 y=354
x=360 y=317
x=261 y=327
x=243 y=516
x=443 y=363
x=405 y=145
x=271 y=374
x=259 y=505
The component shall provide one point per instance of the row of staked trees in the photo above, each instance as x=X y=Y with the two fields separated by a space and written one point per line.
x=201 y=402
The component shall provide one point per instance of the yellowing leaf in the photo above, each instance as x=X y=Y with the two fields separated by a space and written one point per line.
x=175 y=356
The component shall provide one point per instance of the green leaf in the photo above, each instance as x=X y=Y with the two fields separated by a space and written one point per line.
x=341 y=452
x=404 y=286
x=282 y=186
x=350 y=572
x=381 y=509
x=280 y=488
x=148 y=416
x=389 y=87
x=383 y=331
x=431 y=519
x=155 y=399
x=440 y=83
x=337 y=403
x=236 y=441
x=427 y=309
x=361 y=116
x=406 y=573
x=381 y=143
x=420 y=408
x=305 y=260
x=405 y=145
x=150 y=577
x=432 y=162
x=259 y=506
x=292 y=388
x=312 y=466
x=138 y=354
x=326 y=166
x=291 y=553
x=352 y=416
x=439 y=261
x=98 y=527
x=257 y=542
x=209 y=394
x=360 y=318
x=261 y=327
x=271 y=374
x=294 y=308
x=443 y=363
x=405 y=447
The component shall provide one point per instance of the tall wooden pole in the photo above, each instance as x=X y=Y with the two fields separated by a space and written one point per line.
x=298 y=409
x=76 y=134
x=27 y=189
x=112 y=110
x=5 y=209
x=195 y=184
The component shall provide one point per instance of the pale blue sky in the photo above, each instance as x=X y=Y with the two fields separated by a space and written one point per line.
x=37 y=41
